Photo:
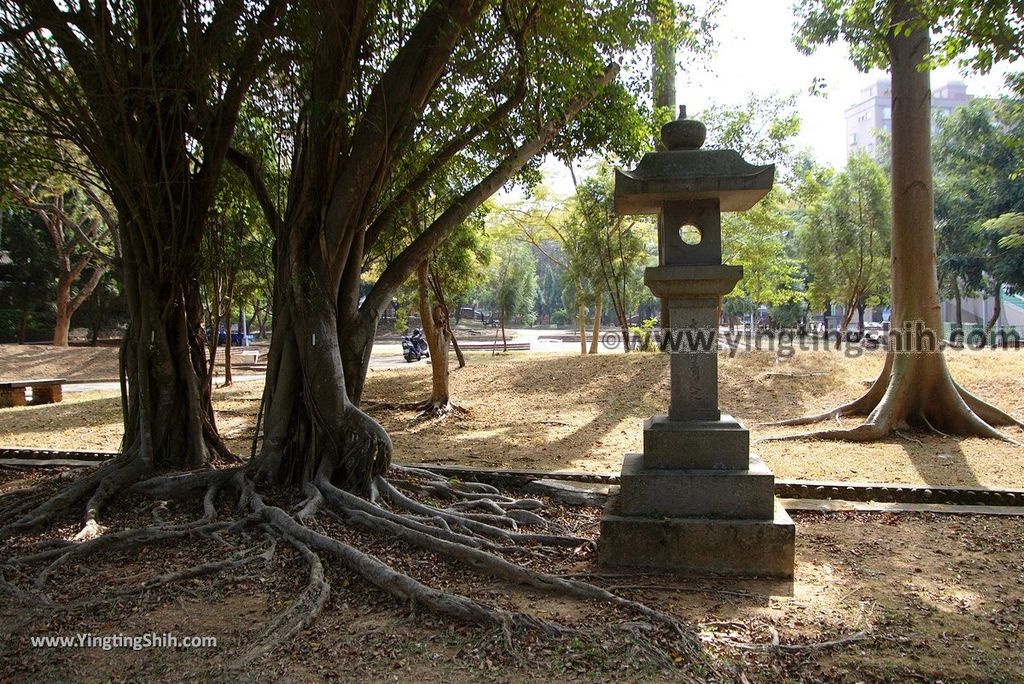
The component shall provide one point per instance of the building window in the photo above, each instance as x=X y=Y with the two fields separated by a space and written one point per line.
x=886 y=112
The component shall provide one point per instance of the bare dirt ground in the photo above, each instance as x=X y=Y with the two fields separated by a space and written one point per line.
x=929 y=597
x=76 y=364
x=19 y=362
x=553 y=412
x=924 y=598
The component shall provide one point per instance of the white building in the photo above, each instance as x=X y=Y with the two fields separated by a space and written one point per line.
x=873 y=114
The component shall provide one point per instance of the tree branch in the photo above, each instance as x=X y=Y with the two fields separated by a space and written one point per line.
x=388 y=216
x=393 y=108
x=245 y=163
x=217 y=133
x=399 y=270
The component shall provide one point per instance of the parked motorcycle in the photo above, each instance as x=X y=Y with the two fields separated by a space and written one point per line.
x=414 y=346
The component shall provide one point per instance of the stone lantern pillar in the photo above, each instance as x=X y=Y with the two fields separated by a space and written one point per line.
x=696 y=501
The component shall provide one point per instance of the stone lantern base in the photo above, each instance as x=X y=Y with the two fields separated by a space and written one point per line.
x=697 y=502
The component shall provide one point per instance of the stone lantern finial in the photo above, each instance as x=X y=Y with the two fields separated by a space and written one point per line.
x=683 y=133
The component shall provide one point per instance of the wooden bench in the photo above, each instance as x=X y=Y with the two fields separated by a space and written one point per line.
x=492 y=346
x=48 y=391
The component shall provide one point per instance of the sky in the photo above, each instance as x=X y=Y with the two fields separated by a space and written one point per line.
x=755 y=55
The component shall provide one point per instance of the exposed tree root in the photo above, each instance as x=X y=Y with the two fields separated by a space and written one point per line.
x=438 y=411
x=478 y=530
x=302 y=611
x=900 y=400
x=425 y=410
x=99 y=486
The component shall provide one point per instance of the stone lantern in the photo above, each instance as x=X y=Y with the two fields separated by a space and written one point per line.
x=696 y=501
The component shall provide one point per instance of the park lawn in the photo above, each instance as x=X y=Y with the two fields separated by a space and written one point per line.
x=565 y=412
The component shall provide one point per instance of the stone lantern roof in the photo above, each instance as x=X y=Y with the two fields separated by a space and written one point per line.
x=685 y=172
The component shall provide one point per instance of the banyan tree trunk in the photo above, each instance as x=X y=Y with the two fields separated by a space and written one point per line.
x=581 y=319
x=311 y=425
x=997 y=310
x=169 y=419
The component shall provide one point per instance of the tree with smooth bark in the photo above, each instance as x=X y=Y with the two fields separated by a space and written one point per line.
x=617 y=246
x=915 y=388
x=84 y=244
x=234 y=250
x=756 y=240
x=559 y=237
x=49 y=178
x=514 y=286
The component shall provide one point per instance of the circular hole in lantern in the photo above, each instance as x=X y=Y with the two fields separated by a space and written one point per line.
x=690 y=234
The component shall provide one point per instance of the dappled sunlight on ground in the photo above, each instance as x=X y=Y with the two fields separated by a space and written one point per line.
x=83 y=421
x=564 y=412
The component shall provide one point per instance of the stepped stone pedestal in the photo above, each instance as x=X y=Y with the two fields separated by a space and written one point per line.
x=696 y=501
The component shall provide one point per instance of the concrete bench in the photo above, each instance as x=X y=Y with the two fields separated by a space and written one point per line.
x=246 y=353
x=48 y=391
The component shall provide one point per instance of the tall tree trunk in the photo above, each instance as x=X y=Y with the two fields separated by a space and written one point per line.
x=624 y=326
x=663 y=85
x=23 y=327
x=435 y=286
x=595 y=336
x=997 y=310
x=62 y=322
x=914 y=387
x=311 y=425
x=860 y=315
x=228 y=298
x=844 y=327
x=437 y=342
x=581 y=319
x=94 y=337
x=958 y=331
x=169 y=421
